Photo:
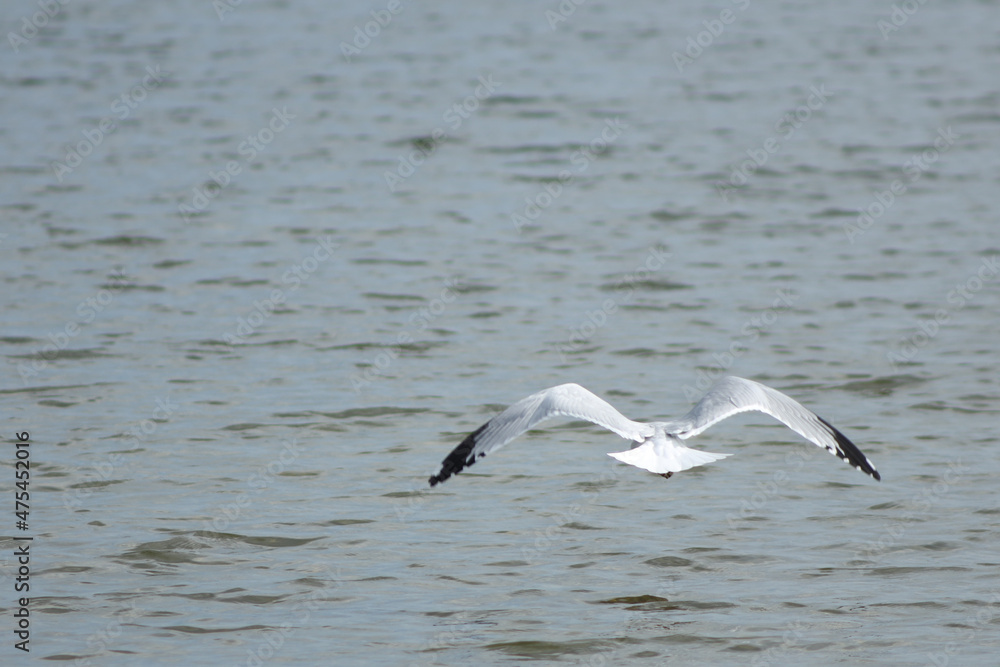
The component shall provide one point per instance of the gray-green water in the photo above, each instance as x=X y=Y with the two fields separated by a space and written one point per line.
x=236 y=392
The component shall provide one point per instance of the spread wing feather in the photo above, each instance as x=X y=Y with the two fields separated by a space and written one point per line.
x=732 y=395
x=565 y=400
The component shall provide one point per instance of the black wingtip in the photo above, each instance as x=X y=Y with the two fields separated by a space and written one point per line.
x=849 y=452
x=460 y=458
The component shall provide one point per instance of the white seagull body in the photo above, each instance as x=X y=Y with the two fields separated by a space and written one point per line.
x=656 y=446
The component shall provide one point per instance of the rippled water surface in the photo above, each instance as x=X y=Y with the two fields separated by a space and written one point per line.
x=264 y=270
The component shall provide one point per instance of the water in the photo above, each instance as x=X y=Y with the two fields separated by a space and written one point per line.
x=235 y=398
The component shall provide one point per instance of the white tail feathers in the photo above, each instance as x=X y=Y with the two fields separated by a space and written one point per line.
x=669 y=458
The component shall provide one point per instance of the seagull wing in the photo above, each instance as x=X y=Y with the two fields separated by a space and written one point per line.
x=567 y=400
x=732 y=395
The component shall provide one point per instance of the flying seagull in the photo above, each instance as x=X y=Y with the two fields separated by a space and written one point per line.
x=656 y=446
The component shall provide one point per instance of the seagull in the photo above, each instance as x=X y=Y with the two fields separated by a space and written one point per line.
x=656 y=446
